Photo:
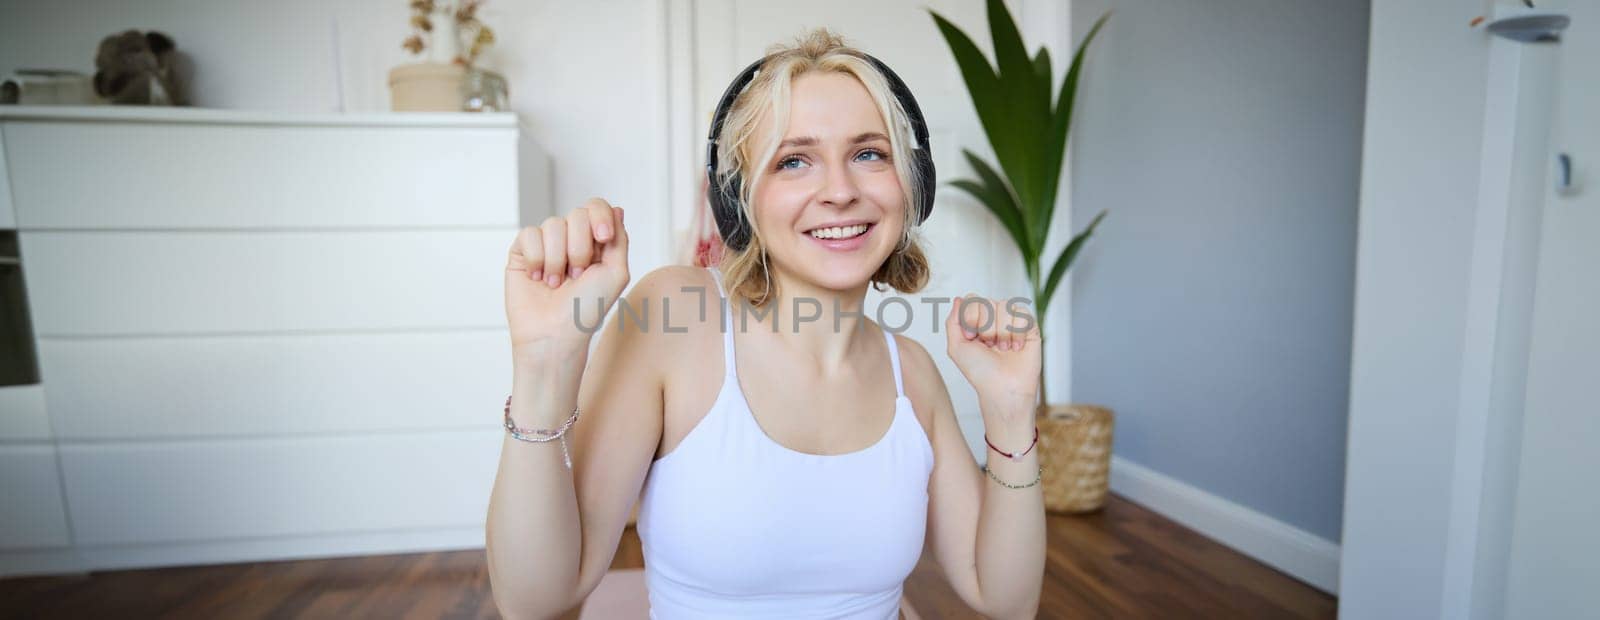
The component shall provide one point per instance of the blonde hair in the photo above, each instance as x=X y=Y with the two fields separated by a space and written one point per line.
x=745 y=272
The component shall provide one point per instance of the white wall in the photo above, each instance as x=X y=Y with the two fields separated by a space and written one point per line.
x=1455 y=167
x=1424 y=121
x=1551 y=571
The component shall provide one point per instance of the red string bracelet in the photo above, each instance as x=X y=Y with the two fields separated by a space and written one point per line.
x=1018 y=456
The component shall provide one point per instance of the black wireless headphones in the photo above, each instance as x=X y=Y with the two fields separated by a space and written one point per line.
x=731 y=223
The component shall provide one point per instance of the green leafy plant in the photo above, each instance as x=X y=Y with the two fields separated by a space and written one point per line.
x=1029 y=138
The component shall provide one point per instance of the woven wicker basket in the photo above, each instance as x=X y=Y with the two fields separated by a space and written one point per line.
x=1075 y=451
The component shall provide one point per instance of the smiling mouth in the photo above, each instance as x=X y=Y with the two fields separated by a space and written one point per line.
x=840 y=232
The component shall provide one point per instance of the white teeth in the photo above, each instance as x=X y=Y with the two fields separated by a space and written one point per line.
x=839 y=232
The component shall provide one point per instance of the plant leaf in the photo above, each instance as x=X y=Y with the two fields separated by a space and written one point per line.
x=1028 y=135
x=988 y=99
x=991 y=99
x=1026 y=112
x=1004 y=199
x=1064 y=261
x=999 y=203
x=1055 y=154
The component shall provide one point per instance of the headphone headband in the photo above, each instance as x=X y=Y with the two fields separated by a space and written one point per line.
x=731 y=223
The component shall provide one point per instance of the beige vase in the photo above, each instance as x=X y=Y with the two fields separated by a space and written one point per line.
x=1075 y=451
x=426 y=87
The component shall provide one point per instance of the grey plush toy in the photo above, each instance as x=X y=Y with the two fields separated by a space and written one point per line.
x=137 y=68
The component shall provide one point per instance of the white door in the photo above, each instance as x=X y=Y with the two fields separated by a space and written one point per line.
x=1556 y=532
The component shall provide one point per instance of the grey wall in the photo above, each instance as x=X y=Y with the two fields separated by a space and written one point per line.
x=1213 y=309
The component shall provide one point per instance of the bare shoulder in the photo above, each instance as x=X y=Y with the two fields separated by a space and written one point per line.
x=655 y=326
x=924 y=385
x=673 y=279
x=666 y=304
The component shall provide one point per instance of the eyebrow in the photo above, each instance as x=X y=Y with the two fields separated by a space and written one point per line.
x=810 y=141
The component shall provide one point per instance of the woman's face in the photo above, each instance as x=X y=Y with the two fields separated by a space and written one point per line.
x=831 y=176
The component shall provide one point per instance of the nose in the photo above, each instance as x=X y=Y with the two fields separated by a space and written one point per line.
x=839 y=187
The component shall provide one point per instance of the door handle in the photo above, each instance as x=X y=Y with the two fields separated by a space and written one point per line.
x=1564 y=185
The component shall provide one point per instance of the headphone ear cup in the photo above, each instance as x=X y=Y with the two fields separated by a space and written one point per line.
x=928 y=176
x=725 y=208
x=731 y=225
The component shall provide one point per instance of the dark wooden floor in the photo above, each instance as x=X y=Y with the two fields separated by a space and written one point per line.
x=1122 y=562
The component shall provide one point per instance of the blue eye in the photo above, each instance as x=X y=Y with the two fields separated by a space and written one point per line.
x=876 y=155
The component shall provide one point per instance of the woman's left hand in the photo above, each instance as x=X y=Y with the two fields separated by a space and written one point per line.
x=997 y=346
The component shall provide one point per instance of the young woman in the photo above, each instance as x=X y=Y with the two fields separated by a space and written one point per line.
x=789 y=468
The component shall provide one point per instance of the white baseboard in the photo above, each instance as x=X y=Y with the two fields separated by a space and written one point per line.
x=111 y=557
x=30 y=562
x=1301 y=554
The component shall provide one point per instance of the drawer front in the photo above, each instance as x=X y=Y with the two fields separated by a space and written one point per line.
x=238 y=386
x=31 y=513
x=167 y=283
x=163 y=176
x=22 y=414
x=209 y=490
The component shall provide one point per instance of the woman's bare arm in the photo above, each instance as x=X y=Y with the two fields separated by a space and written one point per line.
x=989 y=540
x=551 y=532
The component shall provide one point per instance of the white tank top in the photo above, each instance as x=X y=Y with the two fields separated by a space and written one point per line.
x=735 y=525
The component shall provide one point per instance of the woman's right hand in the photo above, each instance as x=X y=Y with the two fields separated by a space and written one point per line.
x=583 y=256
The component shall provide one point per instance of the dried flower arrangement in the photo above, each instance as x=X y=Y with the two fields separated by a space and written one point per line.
x=464 y=17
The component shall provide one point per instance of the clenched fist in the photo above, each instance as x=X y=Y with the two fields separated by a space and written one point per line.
x=997 y=347
x=582 y=257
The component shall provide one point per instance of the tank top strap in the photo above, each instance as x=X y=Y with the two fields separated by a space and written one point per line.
x=726 y=306
x=894 y=362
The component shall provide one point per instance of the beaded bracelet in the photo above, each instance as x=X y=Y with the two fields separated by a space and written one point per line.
x=539 y=435
x=1018 y=455
x=1036 y=479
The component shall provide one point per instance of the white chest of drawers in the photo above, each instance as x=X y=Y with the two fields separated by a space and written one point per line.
x=259 y=335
